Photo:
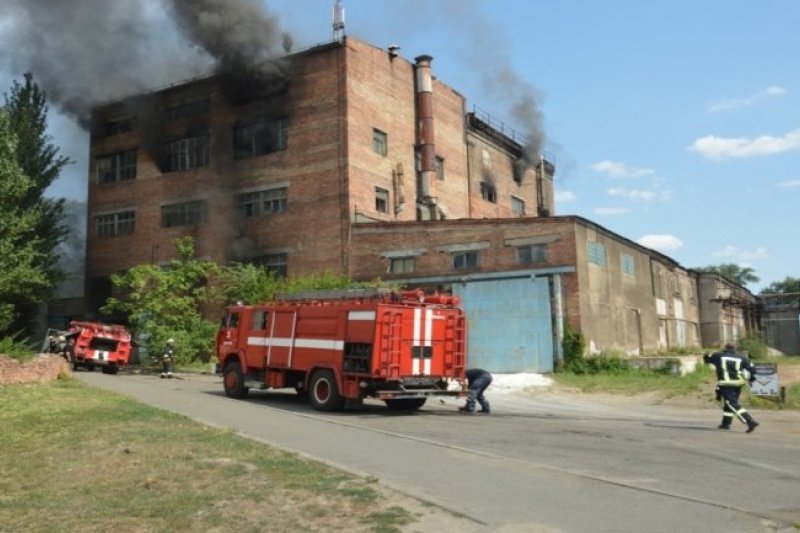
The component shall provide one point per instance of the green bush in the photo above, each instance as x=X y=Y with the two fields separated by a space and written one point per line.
x=755 y=347
x=16 y=348
x=573 y=346
x=598 y=365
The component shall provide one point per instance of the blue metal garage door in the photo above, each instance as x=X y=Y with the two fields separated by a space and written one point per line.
x=510 y=324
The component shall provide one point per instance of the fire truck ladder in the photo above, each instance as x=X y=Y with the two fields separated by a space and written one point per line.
x=391 y=323
x=454 y=342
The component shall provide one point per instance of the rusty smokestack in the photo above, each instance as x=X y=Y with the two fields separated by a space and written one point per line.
x=427 y=147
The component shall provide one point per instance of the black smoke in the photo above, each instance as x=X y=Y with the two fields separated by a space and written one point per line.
x=88 y=52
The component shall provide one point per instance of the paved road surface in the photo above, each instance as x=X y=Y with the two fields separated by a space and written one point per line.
x=539 y=463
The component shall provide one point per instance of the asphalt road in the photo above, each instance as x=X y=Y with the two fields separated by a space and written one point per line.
x=538 y=463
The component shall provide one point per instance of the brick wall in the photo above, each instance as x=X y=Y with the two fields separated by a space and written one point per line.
x=42 y=369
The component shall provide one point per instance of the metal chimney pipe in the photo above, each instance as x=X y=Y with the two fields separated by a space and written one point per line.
x=427 y=148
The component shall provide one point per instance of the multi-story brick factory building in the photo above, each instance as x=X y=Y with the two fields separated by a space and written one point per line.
x=349 y=158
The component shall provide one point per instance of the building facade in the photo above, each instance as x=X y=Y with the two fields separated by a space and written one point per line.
x=351 y=159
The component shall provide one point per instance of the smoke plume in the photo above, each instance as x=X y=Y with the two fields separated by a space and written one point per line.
x=86 y=52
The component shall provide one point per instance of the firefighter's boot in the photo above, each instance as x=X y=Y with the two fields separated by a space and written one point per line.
x=726 y=423
x=469 y=407
x=751 y=423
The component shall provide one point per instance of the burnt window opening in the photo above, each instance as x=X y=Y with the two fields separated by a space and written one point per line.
x=260 y=203
x=275 y=263
x=517 y=206
x=115 y=224
x=184 y=214
x=380 y=142
x=188 y=109
x=188 y=153
x=488 y=192
x=117 y=126
x=381 y=200
x=401 y=265
x=120 y=166
x=532 y=253
x=260 y=138
x=468 y=259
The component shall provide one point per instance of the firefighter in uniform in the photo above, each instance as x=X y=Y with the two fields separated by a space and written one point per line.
x=477 y=382
x=167 y=356
x=730 y=368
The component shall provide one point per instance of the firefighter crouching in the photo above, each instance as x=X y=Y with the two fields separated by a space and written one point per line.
x=730 y=369
x=167 y=356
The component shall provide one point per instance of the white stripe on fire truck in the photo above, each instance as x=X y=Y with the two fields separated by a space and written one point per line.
x=361 y=315
x=286 y=342
x=423 y=327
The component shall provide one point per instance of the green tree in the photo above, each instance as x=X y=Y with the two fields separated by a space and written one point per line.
x=168 y=302
x=732 y=272
x=22 y=277
x=42 y=163
x=787 y=286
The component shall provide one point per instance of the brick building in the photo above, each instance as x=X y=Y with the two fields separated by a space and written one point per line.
x=349 y=158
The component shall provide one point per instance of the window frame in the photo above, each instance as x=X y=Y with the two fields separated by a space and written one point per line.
x=117 y=224
x=263 y=202
x=465 y=259
x=119 y=166
x=380 y=142
x=190 y=213
x=518 y=206
x=260 y=137
x=273 y=262
x=382 y=200
x=401 y=265
x=596 y=253
x=188 y=153
x=488 y=192
x=532 y=254
x=627 y=265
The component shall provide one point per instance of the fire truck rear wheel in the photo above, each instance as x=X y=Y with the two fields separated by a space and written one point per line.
x=233 y=381
x=112 y=369
x=405 y=404
x=324 y=392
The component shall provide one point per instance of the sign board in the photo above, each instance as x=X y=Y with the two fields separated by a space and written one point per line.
x=766 y=382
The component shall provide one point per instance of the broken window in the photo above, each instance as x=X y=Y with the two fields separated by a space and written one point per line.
x=277 y=263
x=184 y=214
x=381 y=200
x=467 y=259
x=380 y=142
x=115 y=224
x=188 y=109
x=259 y=138
x=189 y=153
x=117 y=126
x=258 y=203
x=532 y=253
x=488 y=192
x=116 y=167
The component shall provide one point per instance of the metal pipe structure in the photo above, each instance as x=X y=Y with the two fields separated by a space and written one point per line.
x=427 y=147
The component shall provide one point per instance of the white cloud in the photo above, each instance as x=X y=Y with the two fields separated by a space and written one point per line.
x=635 y=195
x=736 y=103
x=713 y=147
x=662 y=243
x=565 y=196
x=616 y=169
x=789 y=183
x=732 y=252
x=610 y=211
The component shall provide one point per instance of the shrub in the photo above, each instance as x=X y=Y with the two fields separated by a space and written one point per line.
x=16 y=348
x=755 y=347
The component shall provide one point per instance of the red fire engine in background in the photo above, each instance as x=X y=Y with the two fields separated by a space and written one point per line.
x=92 y=344
x=351 y=344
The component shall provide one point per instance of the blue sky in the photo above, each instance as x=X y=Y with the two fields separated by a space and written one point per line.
x=675 y=124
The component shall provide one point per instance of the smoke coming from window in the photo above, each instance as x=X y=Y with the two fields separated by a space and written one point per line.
x=86 y=52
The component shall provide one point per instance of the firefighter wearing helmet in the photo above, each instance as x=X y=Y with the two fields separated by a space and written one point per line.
x=167 y=357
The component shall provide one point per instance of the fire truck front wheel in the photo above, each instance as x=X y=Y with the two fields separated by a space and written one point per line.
x=233 y=380
x=324 y=392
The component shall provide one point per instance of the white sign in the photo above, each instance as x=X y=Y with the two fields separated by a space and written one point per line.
x=766 y=382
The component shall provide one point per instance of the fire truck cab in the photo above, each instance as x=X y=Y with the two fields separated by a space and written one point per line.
x=351 y=344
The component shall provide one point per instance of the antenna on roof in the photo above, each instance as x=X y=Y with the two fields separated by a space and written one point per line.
x=338 y=21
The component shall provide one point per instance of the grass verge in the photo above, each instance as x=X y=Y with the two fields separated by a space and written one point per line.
x=699 y=383
x=73 y=458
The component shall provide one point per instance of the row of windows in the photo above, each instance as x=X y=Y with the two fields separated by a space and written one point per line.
x=596 y=254
x=526 y=255
x=249 y=204
x=249 y=140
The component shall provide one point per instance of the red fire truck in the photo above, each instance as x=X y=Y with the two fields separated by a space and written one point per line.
x=350 y=344
x=93 y=344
